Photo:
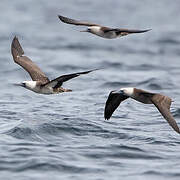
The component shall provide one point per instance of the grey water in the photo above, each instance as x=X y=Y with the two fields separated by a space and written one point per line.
x=65 y=136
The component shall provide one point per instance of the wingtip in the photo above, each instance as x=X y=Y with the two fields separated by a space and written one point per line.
x=106 y=115
x=16 y=48
x=86 y=72
x=177 y=130
x=15 y=38
x=106 y=118
x=97 y=69
x=140 y=31
x=59 y=16
x=148 y=30
x=62 y=18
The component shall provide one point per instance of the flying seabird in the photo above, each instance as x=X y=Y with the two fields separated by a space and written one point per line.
x=40 y=82
x=102 y=31
x=161 y=102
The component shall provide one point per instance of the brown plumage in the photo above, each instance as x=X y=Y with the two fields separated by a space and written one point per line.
x=75 y=22
x=102 y=31
x=19 y=58
x=162 y=103
x=41 y=83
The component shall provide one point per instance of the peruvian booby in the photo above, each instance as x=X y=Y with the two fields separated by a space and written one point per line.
x=161 y=102
x=102 y=31
x=40 y=82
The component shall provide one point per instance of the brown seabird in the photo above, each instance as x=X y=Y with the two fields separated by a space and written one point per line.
x=102 y=31
x=162 y=103
x=40 y=82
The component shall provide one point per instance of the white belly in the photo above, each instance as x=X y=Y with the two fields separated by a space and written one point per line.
x=108 y=35
x=44 y=90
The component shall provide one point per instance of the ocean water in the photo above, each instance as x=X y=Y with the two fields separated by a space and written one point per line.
x=65 y=136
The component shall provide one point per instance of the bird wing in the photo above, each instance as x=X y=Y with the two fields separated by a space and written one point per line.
x=56 y=83
x=75 y=22
x=19 y=58
x=113 y=101
x=125 y=31
x=163 y=104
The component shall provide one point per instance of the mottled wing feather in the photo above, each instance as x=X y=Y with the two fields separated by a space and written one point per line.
x=112 y=103
x=33 y=70
x=75 y=22
x=56 y=83
x=163 y=104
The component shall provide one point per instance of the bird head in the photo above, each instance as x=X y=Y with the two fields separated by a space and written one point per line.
x=29 y=84
x=87 y=30
x=125 y=91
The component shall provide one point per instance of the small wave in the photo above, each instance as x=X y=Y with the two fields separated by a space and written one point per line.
x=112 y=64
x=66 y=67
x=165 y=174
x=169 y=40
x=176 y=113
x=151 y=83
x=77 y=46
x=145 y=67
x=127 y=153
x=117 y=84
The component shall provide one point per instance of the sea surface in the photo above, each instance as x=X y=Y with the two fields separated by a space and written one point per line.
x=65 y=136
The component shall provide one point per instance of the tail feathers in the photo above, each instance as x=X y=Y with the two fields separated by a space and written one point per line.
x=16 y=48
x=67 y=90
x=61 y=89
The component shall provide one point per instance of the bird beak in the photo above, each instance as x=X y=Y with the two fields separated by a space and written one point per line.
x=84 y=31
x=87 y=30
x=19 y=84
x=16 y=84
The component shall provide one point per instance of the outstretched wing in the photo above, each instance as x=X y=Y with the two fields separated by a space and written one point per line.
x=124 y=32
x=56 y=83
x=112 y=103
x=19 y=58
x=163 y=104
x=75 y=22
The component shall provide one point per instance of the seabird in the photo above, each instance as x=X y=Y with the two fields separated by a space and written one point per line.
x=102 y=31
x=40 y=82
x=161 y=102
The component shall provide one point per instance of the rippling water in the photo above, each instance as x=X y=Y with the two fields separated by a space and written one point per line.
x=65 y=136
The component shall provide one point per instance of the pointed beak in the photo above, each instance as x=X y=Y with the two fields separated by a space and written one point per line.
x=84 y=31
x=19 y=84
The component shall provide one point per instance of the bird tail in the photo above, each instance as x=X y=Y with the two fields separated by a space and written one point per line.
x=16 y=48
x=61 y=89
x=67 y=90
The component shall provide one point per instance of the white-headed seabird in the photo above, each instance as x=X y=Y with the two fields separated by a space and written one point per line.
x=162 y=103
x=102 y=31
x=40 y=82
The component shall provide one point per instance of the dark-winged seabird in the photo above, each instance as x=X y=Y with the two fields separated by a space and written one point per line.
x=40 y=82
x=102 y=31
x=162 y=103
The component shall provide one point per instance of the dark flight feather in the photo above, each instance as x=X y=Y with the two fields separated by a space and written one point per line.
x=112 y=103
